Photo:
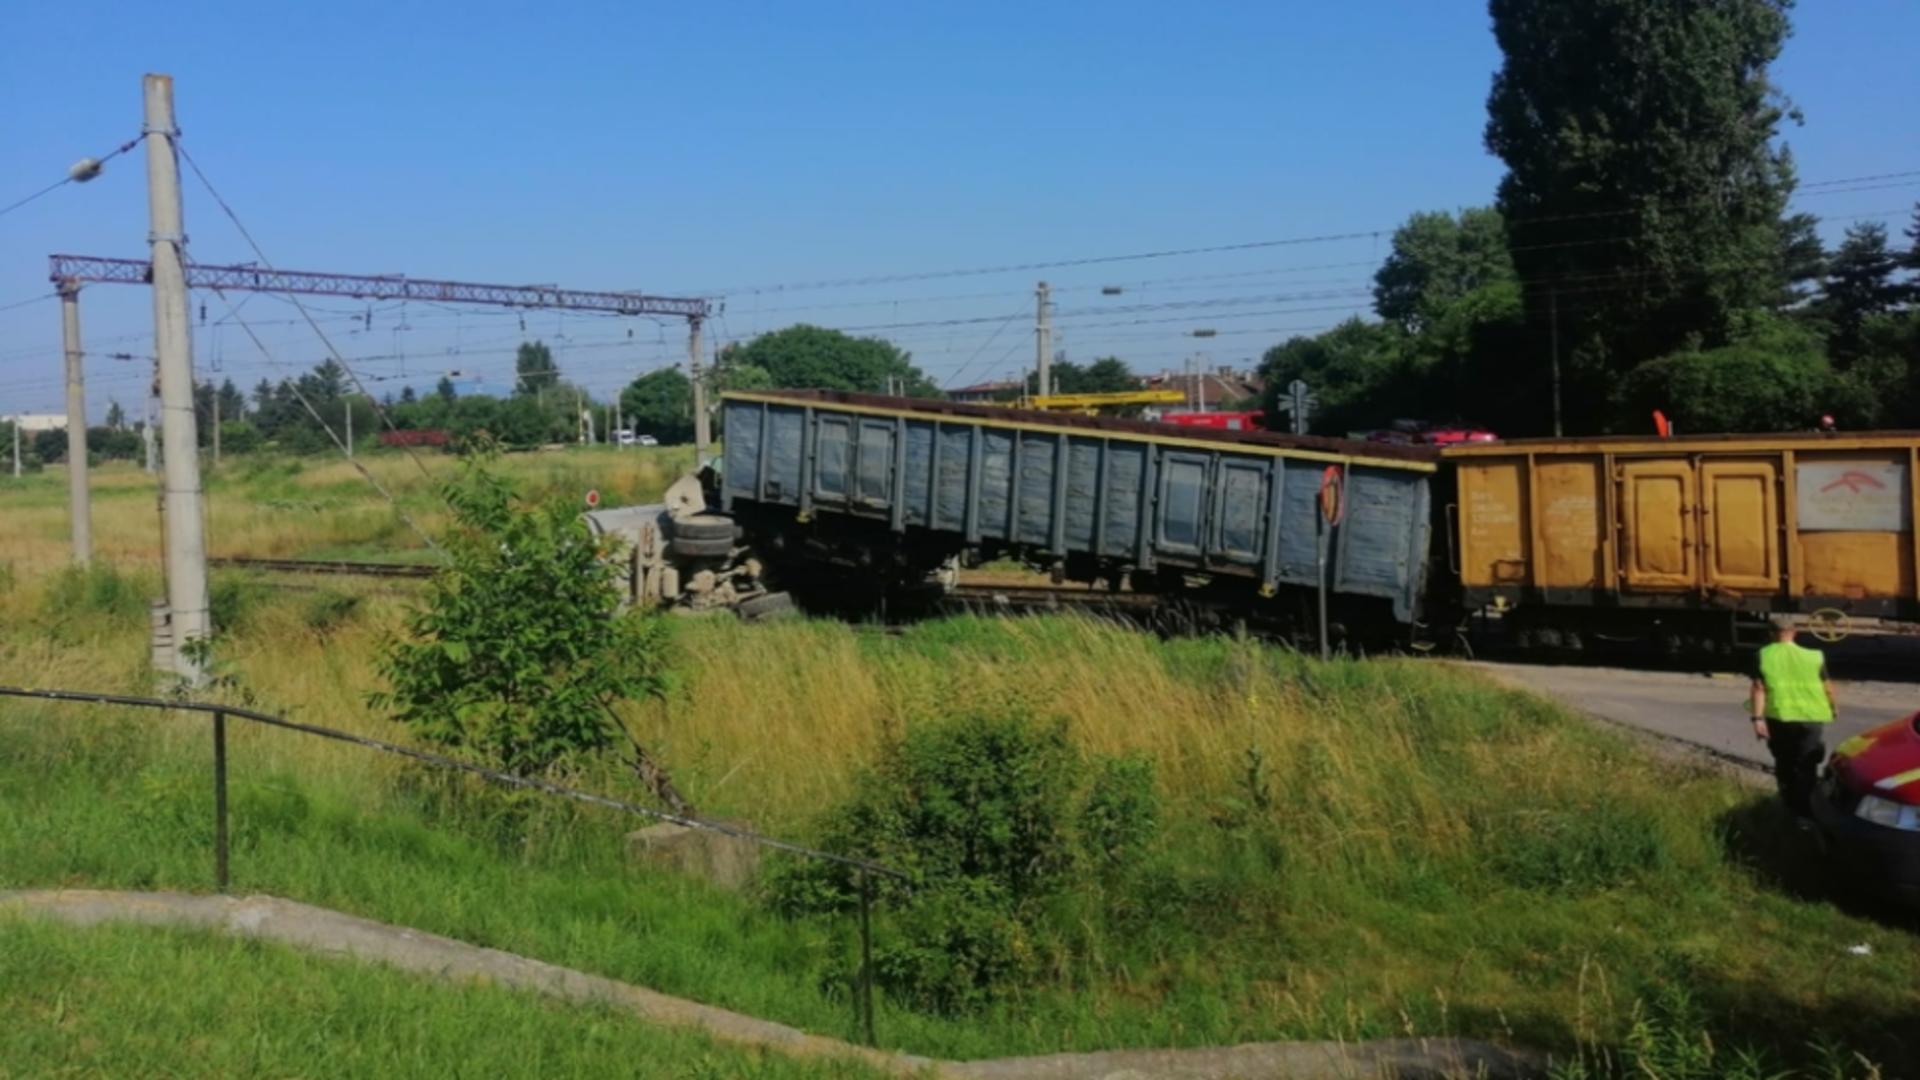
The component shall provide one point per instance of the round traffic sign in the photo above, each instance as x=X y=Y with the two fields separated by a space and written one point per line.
x=593 y=498
x=1333 y=500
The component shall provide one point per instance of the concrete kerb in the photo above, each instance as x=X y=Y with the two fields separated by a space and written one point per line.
x=324 y=931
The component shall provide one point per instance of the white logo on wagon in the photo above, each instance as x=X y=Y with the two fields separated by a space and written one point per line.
x=1852 y=496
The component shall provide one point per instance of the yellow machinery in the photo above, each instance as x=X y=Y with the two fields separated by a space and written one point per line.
x=1091 y=404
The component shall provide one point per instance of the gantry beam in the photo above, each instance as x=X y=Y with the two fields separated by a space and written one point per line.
x=77 y=268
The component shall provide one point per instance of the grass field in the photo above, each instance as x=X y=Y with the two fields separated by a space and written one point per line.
x=126 y=1002
x=1348 y=850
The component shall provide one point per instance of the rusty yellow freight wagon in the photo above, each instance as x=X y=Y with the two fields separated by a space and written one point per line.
x=1689 y=539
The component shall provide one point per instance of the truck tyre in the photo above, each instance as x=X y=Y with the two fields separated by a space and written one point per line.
x=701 y=527
x=688 y=547
x=766 y=606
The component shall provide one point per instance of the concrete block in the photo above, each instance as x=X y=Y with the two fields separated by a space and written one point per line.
x=723 y=860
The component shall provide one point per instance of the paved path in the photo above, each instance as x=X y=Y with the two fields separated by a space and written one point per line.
x=1706 y=710
x=321 y=930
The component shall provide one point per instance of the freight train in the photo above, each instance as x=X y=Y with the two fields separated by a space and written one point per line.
x=844 y=500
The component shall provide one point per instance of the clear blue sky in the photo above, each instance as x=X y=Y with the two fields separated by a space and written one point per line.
x=706 y=148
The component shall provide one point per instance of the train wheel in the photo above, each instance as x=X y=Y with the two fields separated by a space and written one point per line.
x=1829 y=625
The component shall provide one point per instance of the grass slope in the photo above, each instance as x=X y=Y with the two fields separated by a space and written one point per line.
x=1348 y=850
x=130 y=1001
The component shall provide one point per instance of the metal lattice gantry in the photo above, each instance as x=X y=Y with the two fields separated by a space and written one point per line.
x=254 y=278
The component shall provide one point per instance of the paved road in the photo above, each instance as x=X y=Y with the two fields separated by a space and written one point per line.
x=1709 y=710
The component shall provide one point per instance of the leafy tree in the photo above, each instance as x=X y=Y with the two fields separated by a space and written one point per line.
x=1437 y=260
x=1110 y=375
x=1640 y=172
x=1771 y=378
x=809 y=357
x=1860 y=283
x=660 y=403
x=407 y=396
x=116 y=416
x=1107 y=375
x=521 y=649
x=114 y=443
x=533 y=368
x=239 y=436
x=444 y=389
x=1352 y=370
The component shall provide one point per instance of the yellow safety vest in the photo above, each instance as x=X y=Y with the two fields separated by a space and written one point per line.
x=1794 y=688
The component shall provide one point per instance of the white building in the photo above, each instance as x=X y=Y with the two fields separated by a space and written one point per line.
x=33 y=423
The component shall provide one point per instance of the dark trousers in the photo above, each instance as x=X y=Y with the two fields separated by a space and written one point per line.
x=1798 y=751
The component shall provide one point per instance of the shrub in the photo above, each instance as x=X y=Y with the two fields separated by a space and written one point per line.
x=989 y=812
x=95 y=589
x=1772 y=381
x=327 y=611
x=521 y=648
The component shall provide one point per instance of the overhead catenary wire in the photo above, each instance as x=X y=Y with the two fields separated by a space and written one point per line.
x=82 y=171
x=260 y=254
x=334 y=436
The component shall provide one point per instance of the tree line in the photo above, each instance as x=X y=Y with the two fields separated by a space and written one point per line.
x=1640 y=243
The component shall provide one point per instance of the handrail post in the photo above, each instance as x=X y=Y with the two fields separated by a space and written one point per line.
x=220 y=800
x=866 y=956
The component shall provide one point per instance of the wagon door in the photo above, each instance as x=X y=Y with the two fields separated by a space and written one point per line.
x=1657 y=550
x=1740 y=526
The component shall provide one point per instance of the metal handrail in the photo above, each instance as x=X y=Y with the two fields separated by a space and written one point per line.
x=864 y=867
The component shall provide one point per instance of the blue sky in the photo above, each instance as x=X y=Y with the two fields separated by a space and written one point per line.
x=716 y=148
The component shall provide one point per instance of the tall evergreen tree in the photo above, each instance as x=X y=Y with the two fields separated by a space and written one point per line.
x=1643 y=194
x=1860 y=284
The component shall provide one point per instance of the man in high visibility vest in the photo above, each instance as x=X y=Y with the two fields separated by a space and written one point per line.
x=1791 y=704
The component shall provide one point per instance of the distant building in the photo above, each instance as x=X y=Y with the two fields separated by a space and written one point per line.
x=1221 y=389
x=34 y=423
x=986 y=391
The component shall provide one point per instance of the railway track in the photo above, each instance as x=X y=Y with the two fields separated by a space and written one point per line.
x=324 y=566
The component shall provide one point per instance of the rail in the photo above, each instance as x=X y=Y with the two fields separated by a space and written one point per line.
x=324 y=566
x=864 y=868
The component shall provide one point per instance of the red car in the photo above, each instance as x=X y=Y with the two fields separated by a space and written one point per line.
x=1422 y=433
x=1868 y=806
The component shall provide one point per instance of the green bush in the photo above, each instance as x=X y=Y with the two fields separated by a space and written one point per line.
x=1775 y=379
x=327 y=611
x=95 y=589
x=990 y=814
x=229 y=600
x=520 y=648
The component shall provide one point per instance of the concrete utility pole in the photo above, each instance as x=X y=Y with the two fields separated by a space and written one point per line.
x=79 y=513
x=16 y=448
x=702 y=432
x=146 y=429
x=216 y=427
x=1043 y=338
x=185 y=532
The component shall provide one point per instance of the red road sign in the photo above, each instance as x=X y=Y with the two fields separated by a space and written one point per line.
x=1333 y=501
x=593 y=498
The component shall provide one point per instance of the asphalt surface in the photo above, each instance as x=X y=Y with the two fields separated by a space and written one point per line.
x=1706 y=710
